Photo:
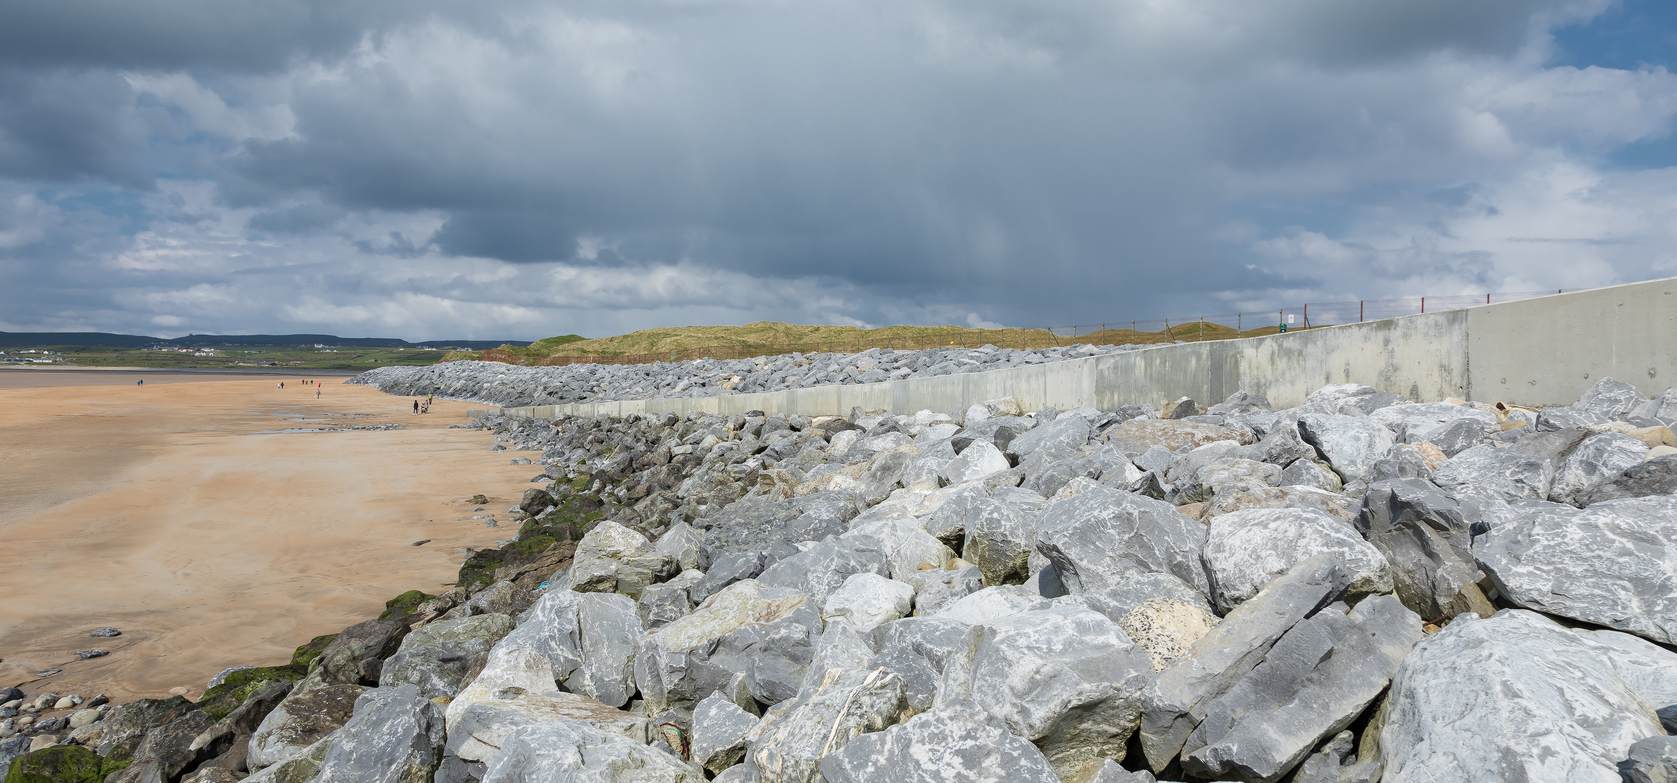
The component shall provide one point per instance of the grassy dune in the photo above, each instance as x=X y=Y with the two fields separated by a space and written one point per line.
x=771 y=337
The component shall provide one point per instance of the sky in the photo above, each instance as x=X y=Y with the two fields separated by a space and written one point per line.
x=509 y=169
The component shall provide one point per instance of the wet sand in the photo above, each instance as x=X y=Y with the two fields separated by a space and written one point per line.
x=157 y=510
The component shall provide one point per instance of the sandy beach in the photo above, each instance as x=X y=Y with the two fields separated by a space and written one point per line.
x=161 y=511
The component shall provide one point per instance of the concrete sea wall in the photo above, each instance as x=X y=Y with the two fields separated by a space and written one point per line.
x=1536 y=352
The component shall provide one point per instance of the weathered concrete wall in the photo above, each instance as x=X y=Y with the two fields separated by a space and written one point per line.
x=1548 y=351
x=1543 y=351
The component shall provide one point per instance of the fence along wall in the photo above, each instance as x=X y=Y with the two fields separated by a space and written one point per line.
x=1538 y=352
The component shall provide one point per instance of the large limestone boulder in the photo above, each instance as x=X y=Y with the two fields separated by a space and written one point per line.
x=957 y=743
x=1425 y=536
x=789 y=743
x=1064 y=677
x=1504 y=472
x=313 y=709
x=479 y=732
x=821 y=569
x=612 y=558
x=1317 y=678
x=978 y=461
x=1597 y=460
x=356 y=655
x=999 y=540
x=907 y=547
x=720 y=728
x=866 y=601
x=936 y=588
x=441 y=656
x=1611 y=564
x=1512 y=697
x=1657 y=476
x=1350 y=445
x=1653 y=760
x=747 y=628
x=395 y=736
x=1102 y=536
x=1610 y=399
x=584 y=640
x=574 y=752
x=1422 y=421
x=1246 y=550
x=990 y=604
x=167 y=750
x=662 y=604
x=1226 y=476
x=1282 y=447
x=1177 y=700
x=1348 y=399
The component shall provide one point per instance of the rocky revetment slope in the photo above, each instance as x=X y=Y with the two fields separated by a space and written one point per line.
x=1360 y=588
x=509 y=386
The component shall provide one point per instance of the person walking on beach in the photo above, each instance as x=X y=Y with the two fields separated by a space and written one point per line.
x=416 y=407
x=317 y=392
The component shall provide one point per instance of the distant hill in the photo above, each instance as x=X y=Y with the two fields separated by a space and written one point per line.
x=42 y=339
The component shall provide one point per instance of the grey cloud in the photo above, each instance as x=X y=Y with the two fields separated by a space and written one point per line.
x=240 y=35
x=299 y=219
x=873 y=160
x=65 y=125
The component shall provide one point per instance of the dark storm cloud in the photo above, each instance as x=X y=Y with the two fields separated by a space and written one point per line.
x=865 y=160
x=65 y=125
x=239 y=35
x=773 y=147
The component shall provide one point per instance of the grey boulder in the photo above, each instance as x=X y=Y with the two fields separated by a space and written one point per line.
x=313 y=709
x=1611 y=564
x=1064 y=677
x=572 y=752
x=789 y=743
x=612 y=558
x=1315 y=680
x=821 y=569
x=957 y=743
x=719 y=731
x=935 y=588
x=1336 y=762
x=1610 y=399
x=1600 y=458
x=441 y=656
x=976 y=462
x=1657 y=476
x=396 y=736
x=1425 y=536
x=1654 y=760
x=1102 y=536
x=478 y=733
x=1504 y=472
x=1177 y=699
x=1350 y=445
x=999 y=540
x=1246 y=550
x=747 y=628
x=1512 y=697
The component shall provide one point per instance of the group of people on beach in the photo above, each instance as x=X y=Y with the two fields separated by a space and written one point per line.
x=426 y=407
x=315 y=384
